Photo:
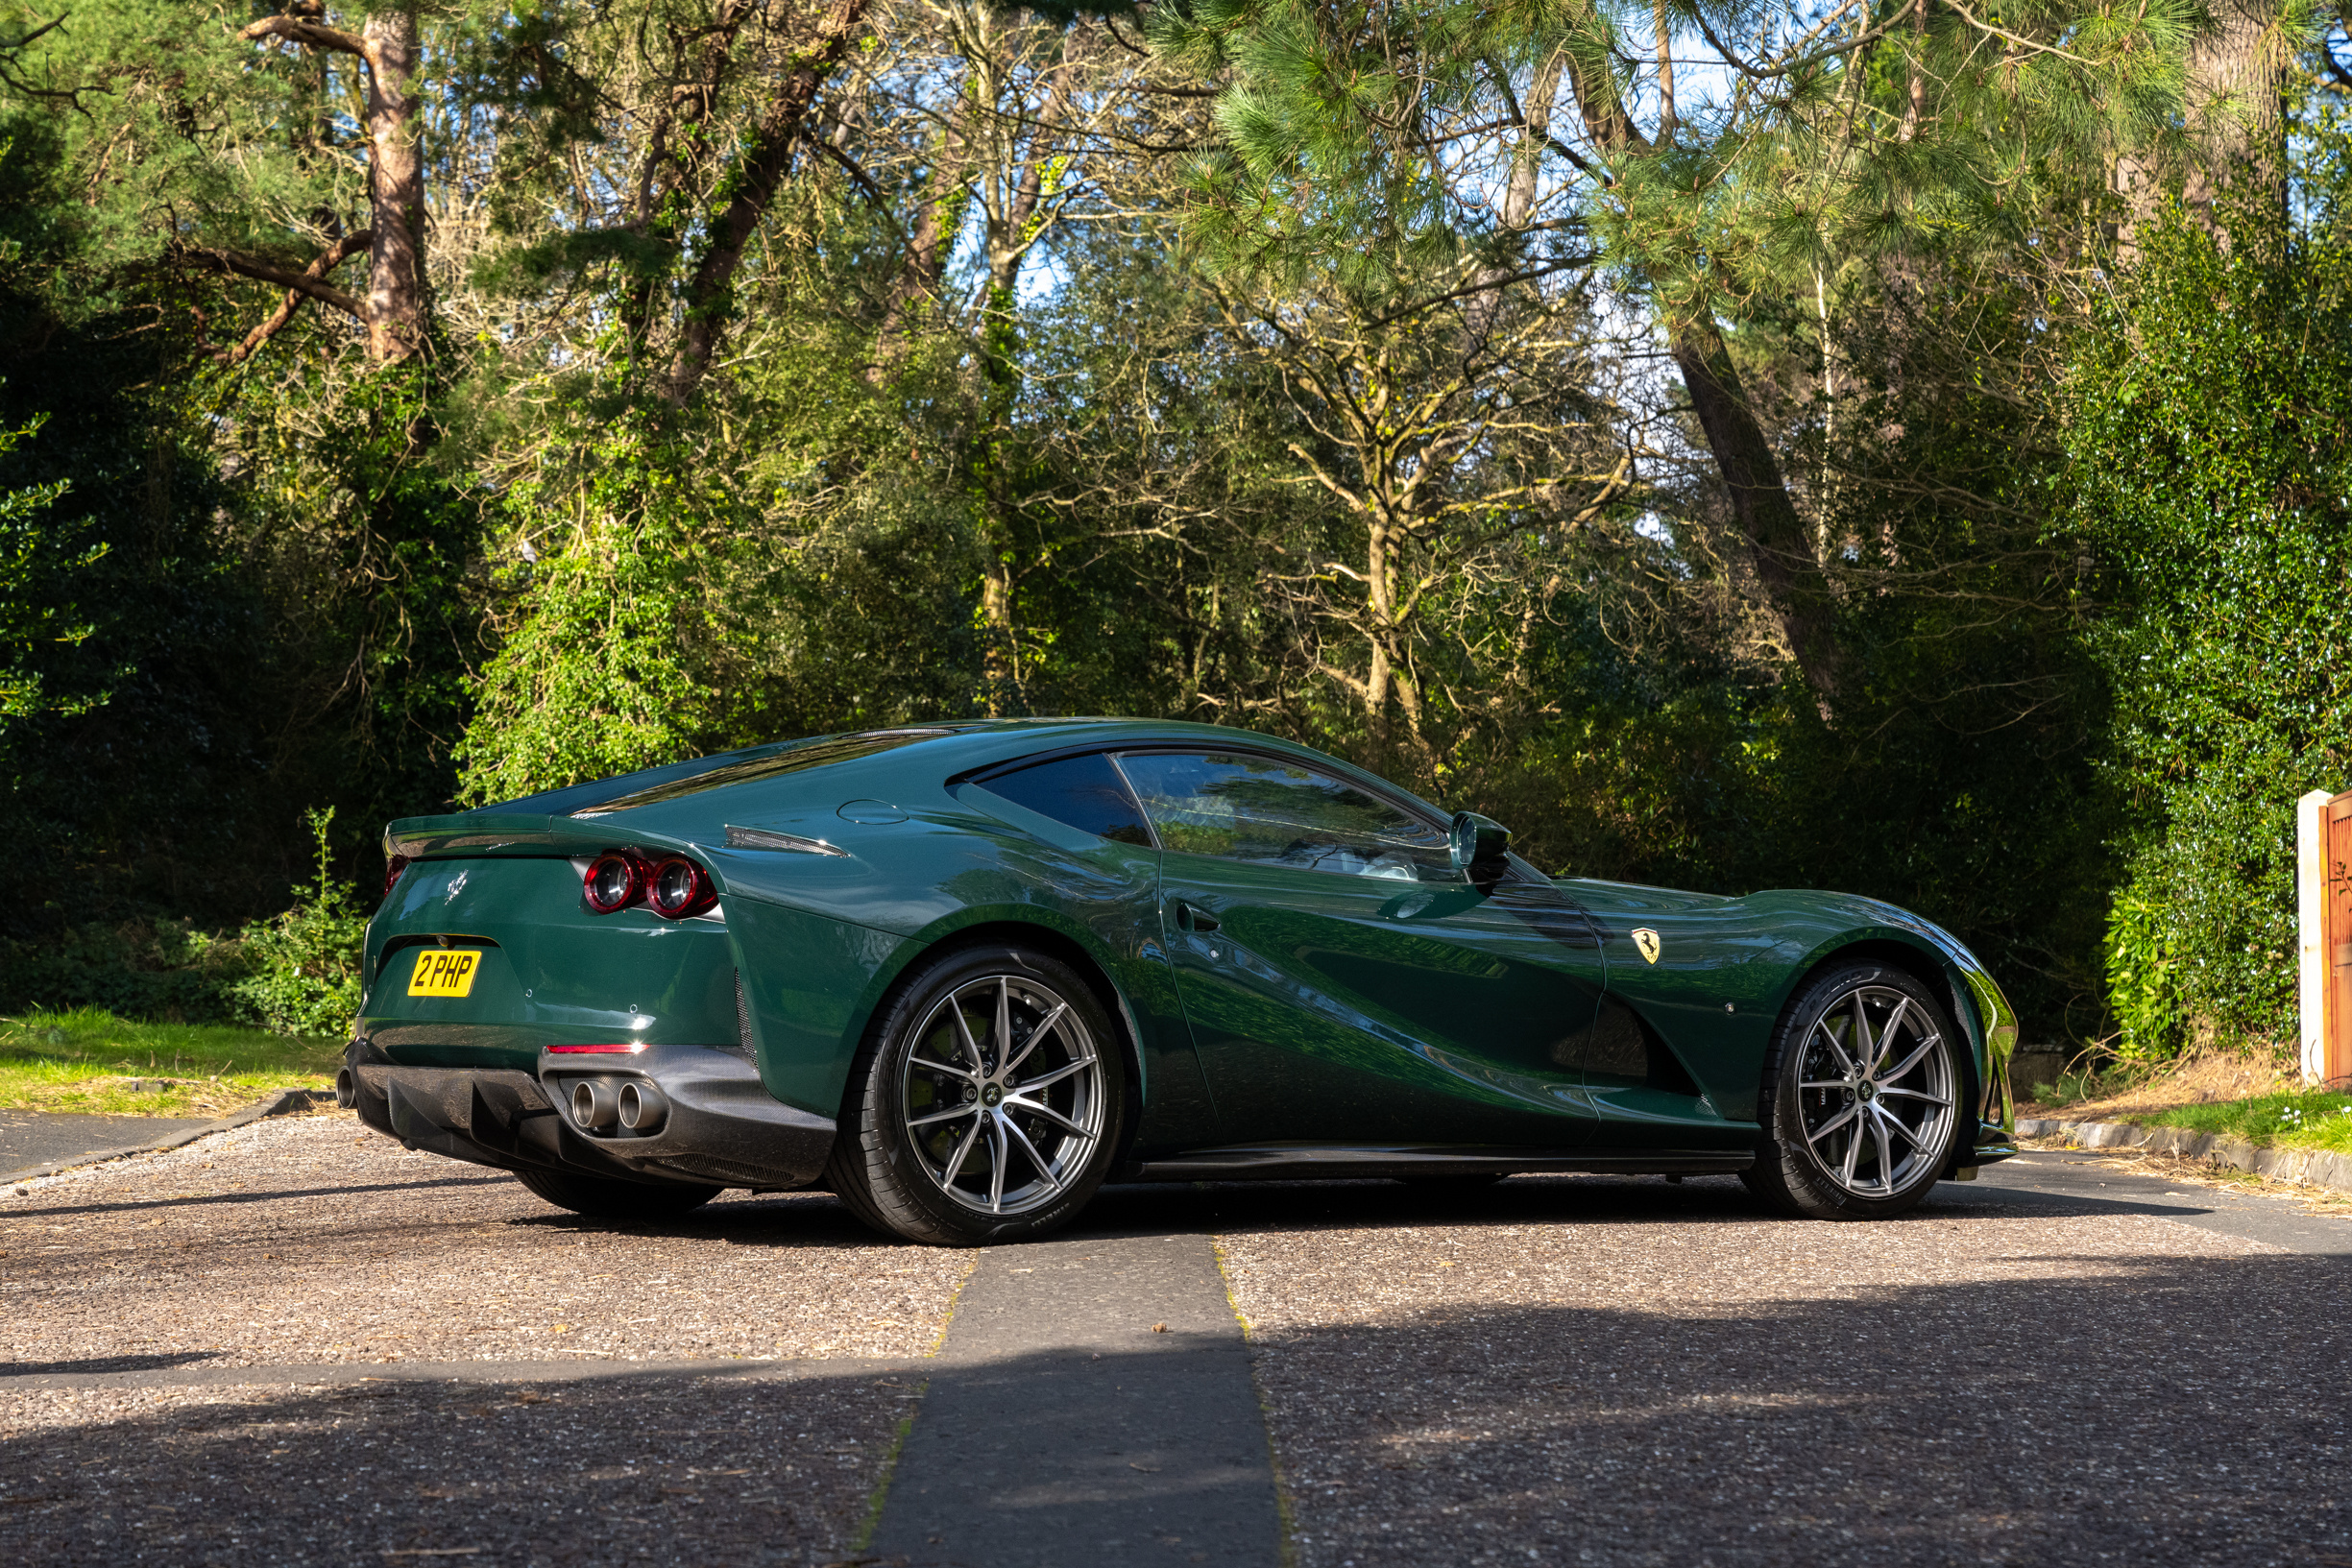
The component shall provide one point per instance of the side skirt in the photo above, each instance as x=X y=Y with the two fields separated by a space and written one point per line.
x=1332 y=1162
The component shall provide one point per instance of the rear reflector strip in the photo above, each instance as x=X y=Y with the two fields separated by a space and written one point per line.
x=630 y=1048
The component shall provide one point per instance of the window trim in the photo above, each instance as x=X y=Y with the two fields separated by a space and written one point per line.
x=1363 y=777
x=980 y=777
x=1385 y=793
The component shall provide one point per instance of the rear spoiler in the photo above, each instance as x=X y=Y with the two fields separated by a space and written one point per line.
x=513 y=833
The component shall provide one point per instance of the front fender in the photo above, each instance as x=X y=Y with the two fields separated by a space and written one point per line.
x=1977 y=1001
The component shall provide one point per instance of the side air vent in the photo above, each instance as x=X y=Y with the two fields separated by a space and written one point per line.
x=743 y=1025
x=1624 y=1049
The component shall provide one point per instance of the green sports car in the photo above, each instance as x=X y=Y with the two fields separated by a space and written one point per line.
x=961 y=975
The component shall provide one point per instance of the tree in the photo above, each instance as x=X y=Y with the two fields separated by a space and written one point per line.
x=39 y=595
x=1852 y=130
x=1466 y=437
x=2209 y=465
x=393 y=309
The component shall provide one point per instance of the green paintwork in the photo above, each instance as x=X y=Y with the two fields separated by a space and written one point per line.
x=1352 y=1010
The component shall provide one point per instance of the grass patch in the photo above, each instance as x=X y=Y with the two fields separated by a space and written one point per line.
x=2311 y=1119
x=90 y=1060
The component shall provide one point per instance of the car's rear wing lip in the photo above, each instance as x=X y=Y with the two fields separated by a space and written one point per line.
x=509 y=833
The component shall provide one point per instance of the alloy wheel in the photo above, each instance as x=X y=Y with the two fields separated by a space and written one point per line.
x=1003 y=1094
x=1875 y=1092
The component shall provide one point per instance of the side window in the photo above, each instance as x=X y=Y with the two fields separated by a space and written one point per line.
x=1247 y=808
x=1084 y=792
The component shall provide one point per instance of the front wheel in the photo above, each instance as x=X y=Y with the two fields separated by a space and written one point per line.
x=987 y=1105
x=1861 y=1098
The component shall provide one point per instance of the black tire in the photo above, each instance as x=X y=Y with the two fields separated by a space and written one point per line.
x=1851 y=1131
x=602 y=1197
x=911 y=1181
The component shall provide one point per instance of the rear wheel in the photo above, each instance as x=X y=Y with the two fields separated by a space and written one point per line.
x=604 y=1198
x=1862 y=1097
x=987 y=1103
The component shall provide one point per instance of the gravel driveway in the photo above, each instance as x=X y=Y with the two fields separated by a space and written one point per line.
x=311 y=1244
x=1596 y=1370
x=310 y=1239
x=1554 y=1370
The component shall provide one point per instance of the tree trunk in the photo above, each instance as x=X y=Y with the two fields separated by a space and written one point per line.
x=395 y=190
x=1785 y=566
x=1009 y=237
x=991 y=489
x=998 y=660
x=943 y=201
x=676 y=173
x=2237 y=81
x=1380 y=602
x=767 y=159
x=2237 y=65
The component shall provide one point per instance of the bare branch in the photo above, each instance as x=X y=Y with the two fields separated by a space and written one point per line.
x=849 y=166
x=311 y=281
x=342 y=251
x=295 y=30
x=1970 y=19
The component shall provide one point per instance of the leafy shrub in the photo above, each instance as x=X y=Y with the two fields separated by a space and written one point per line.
x=2141 y=986
x=2210 y=446
x=166 y=970
x=303 y=965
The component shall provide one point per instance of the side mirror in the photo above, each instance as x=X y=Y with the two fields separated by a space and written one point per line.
x=1477 y=842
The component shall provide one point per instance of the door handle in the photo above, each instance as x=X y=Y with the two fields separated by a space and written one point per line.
x=1192 y=919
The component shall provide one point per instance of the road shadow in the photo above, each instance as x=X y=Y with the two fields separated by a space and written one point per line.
x=2148 y=1409
x=1190 y=1208
x=105 y=1364
x=608 y=1470
x=278 y=1194
x=2143 y=1408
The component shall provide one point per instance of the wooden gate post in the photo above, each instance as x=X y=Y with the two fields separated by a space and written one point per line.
x=2323 y=912
x=2310 y=920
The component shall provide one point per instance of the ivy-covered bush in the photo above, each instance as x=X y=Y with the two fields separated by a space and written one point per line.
x=302 y=966
x=2209 y=440
x=144 y=967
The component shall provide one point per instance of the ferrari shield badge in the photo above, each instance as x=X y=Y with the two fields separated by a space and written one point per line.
x=1647 y=940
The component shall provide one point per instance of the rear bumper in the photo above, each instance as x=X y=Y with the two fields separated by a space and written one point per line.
x=720 y=1124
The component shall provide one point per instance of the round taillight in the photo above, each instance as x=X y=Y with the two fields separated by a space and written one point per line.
x=614 y=882
x=680 y=888
x=392 y=872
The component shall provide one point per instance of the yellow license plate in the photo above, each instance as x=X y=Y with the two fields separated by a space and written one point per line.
x=445 y=972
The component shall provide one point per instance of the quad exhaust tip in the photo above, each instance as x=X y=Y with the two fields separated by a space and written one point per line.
x=593 y=1104
x=605 y=1105
x=643 y=1107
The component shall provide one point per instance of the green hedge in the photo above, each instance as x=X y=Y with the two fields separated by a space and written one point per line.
x=2209 y=442
x=294 y=974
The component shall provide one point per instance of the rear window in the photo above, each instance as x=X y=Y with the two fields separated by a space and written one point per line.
x=767 y=761
x=1081 y=792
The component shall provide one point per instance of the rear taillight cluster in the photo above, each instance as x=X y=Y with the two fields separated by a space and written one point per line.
x=674 y=887
x=392 y=871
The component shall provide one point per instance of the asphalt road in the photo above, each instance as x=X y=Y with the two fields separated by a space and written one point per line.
x=295 y=1344
x=30 y=1138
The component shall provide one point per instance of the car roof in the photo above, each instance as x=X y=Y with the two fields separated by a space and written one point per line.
x=944 y=751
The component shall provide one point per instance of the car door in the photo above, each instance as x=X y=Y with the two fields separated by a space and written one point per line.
x=1343 y=981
